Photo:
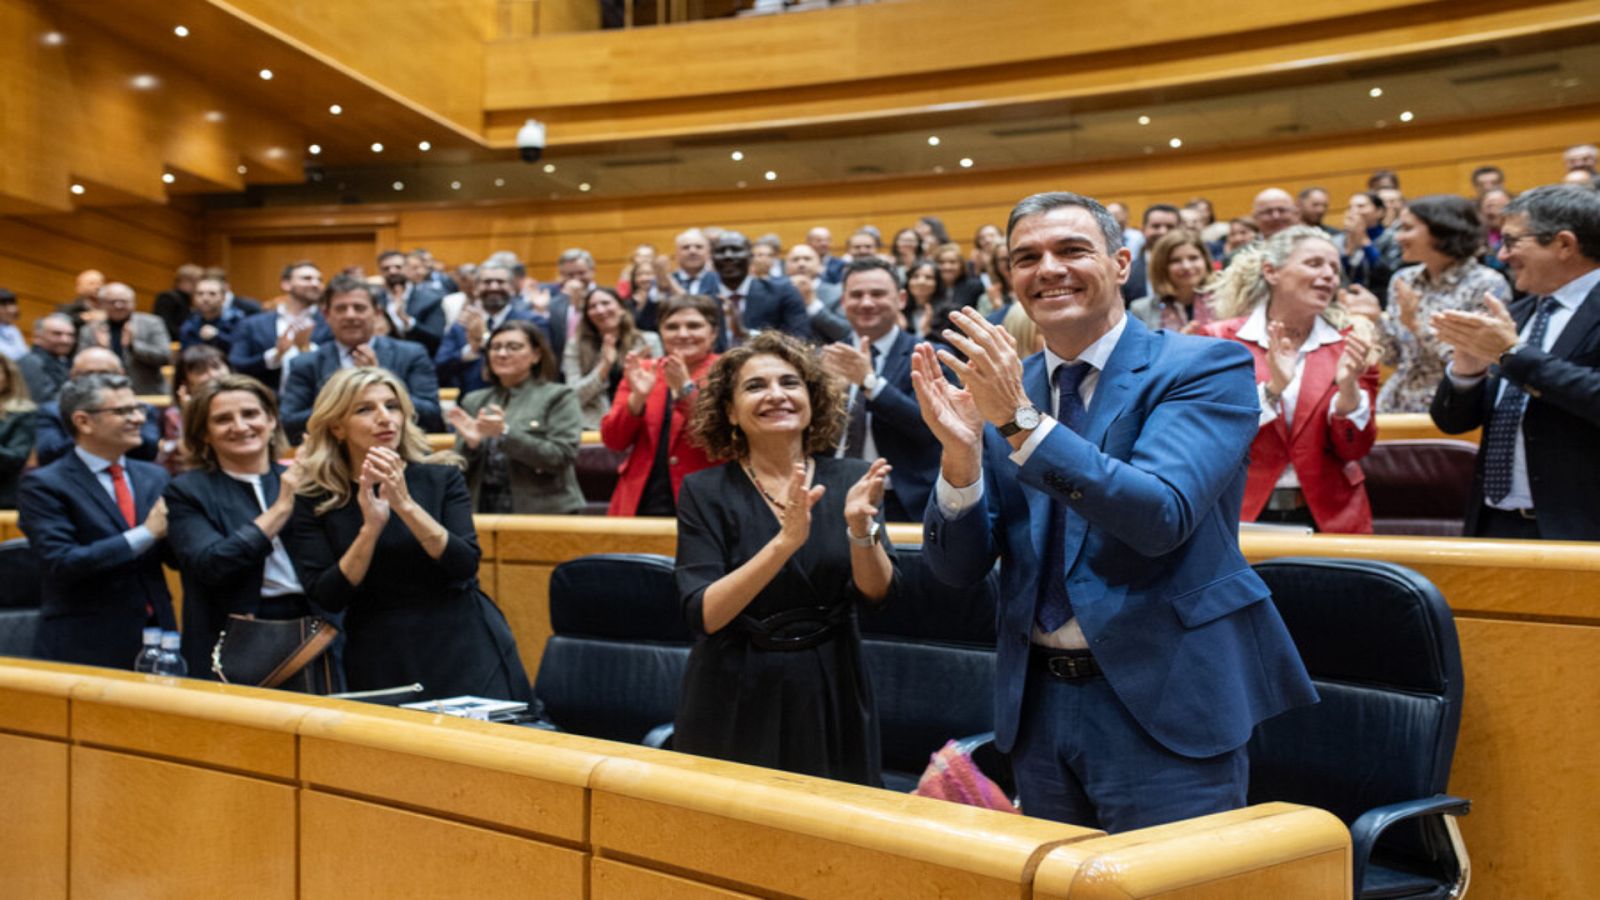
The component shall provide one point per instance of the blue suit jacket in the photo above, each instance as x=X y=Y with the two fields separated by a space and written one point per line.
x=770 y=304
x=468 y=376
x=51 y=440
x=409 y=362
x=425 y=306
x=1179 y=622
x=227 y=322
x=95 y=589
x=899 y=433
x=257 y=334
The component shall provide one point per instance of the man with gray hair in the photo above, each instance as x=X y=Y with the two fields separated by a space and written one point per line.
x=140 y=340
x=1582 y=157
x=48 y=365
x=96 y=519
x=52 y=435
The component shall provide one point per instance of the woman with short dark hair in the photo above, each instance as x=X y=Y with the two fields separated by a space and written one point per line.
x=1440 y=235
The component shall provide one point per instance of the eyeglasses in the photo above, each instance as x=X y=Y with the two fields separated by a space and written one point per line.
x=126 y=412
x=1508 y=241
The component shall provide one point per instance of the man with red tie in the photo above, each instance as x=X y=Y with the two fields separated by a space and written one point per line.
x=97 y=522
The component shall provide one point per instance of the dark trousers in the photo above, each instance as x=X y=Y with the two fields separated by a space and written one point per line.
x=1081 y=758
x=1498 y=523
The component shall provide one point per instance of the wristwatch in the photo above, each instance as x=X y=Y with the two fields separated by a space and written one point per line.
x=870 y=383
x=870 y=539
x=1026 y=418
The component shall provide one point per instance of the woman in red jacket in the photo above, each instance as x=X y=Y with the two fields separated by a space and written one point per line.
x=1316 y=382
x=655 y=399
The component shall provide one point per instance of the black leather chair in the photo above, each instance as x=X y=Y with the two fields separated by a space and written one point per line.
x=19 y=597
x=613 y=667
x=930 y=656
x=1419 y=487
x=1380 y=644
x=596 y=468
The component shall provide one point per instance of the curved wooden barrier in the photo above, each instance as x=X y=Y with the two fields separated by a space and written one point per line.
x=257 y=793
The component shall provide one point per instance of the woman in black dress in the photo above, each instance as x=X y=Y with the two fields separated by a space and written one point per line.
x=385 y=535
x=775 y=549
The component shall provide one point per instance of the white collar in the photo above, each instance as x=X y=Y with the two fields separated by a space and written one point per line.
x=1572 y=294
x=1254 y=330
x=1096 y=354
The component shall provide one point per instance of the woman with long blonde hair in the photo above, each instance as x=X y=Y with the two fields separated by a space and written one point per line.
x=383 y=532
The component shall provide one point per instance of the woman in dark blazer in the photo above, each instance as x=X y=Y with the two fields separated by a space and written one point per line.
x=520 y=435
x=225 y=517
x=383 y=532
x=957 y=286
x=16 y=430
x=652 y=406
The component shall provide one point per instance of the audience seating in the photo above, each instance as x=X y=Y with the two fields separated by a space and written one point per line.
x=19 y=597
x=597 y=476
x=1380 y=644
x=614 y=665
x=1420 y=486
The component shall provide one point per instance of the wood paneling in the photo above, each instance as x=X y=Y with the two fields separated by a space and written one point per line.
x=255 y=264
x=148 y=828
x=33 y=855
x=611 y=880
x=223 y=745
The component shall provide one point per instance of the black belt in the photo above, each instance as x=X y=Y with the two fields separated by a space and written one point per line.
x=794 y=629
x=1067 y=665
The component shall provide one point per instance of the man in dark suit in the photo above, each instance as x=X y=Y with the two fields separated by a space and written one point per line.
x=96 y=520
x=830 y=267
x=414 y=308
x=210 y=322
x=1159 y=219
x=174 y=306
x=48 y=365
x=264 y=343
x=52 y=434
x=245 y=306
x=883 y=416
x=1136 y=648
x=1530 y=376
x=694 y=273
x=352 y=313
x=750 y=304
x=459 y=362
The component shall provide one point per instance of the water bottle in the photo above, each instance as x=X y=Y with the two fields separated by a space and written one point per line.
x=170 y=662
x=146 y=660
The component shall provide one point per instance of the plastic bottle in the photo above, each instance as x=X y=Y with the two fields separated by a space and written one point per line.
x=146 y=660
x=171 y=661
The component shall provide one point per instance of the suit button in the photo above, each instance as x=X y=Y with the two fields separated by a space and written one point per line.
x=1075 y=495
x=672 y=460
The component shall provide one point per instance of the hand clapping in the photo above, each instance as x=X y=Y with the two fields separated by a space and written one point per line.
x=865 y=499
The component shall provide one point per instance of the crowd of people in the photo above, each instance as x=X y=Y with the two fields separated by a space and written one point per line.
x=1093 y=405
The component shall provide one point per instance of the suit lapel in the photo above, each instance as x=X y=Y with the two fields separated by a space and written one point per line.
x=1576 y=333
x=1115 y=386
x=1316 y=381
x=90 y=485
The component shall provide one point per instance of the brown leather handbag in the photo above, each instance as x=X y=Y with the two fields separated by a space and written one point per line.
x=291 y=654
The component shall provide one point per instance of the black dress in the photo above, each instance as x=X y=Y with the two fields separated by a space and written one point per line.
x=412 y=619
x=808 y=710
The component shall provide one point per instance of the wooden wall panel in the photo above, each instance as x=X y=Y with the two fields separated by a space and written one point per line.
x=255 y=264
x=148 y=828
x=225 y=745
x=33 y=855
x=612 y=880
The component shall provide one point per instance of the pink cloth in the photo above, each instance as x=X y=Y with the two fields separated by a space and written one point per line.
x=951 y=775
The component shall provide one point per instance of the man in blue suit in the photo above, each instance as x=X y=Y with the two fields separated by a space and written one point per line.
x=459 y=362
x=264 y=343
x=352 y=313
x=883 y=416
x=414 y=307
x=96 y=519
x=1136 y=648
x=750 y=303
x=53 y=436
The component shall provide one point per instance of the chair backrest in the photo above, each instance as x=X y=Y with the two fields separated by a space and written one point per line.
x=596 y=468
x=1419 y=486
x=20 y=575
x=613 y=667
x=17 y=627
x=1380 y=644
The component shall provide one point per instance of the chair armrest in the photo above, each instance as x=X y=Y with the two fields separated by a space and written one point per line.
x=1365 y=831
x=659 y=737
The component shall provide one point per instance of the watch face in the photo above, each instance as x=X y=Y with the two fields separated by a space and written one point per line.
x=1027 y=417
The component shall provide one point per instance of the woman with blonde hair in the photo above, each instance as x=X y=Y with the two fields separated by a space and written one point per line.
x=1316 y=381
x=776 y=549
x=383 y=532
x=16 y=429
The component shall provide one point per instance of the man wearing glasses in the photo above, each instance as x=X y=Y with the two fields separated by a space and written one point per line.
x=139 y=340
x=96 y=519
x=53 y=432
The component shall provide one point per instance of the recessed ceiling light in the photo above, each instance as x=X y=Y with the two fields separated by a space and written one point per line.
x=181 y=31
x=966 y=162
x=933 y=140
x=1175 y=143
x=399 y=185
x=76 y=189
x=144 y=82
x=266 y=74
x=771 y=175
x=168 y=178
x=1375 y=93
x=314 y=149
x=549 y=168
x=499 y=182
x=736 y=155
x=243 y=169
x=377 y=147
x=1144 y=120
x=335 y=109
x=455 y=185
x=214 y=115
x=52 y=39
x=424 y=146
x=584 y=186
x=1406 y=116
x=741 y=183
x=938 y=170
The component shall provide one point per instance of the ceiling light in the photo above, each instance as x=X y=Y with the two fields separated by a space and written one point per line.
x=377 y=147
x=938 y=170
x=144 y=82
x=736 y=155
x=549 y=168
x=584 y=187
x=1175 y=143
x=499 y=182
x=266 y=74
x=1144 y=120
x=399 y=185
x=1375 y=93
x=52 y=39
x=243 y=169
x=933 y=140
x=181 y=31
x=1406 y=116
x=314 y=149
x=335 y=109
x=455 y=185
x=741 y=183
x=966 y=162
x=168 y=178
x=424 y=146
x=214 y=115
x=771 y=175
x=76 y=189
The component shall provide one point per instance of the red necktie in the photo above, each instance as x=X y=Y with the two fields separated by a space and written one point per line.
x=119 y=483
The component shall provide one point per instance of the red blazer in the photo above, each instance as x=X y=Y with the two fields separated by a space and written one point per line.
x=1325 y=453
x=621 y=429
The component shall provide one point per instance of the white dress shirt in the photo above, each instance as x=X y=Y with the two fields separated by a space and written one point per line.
x=138 y=537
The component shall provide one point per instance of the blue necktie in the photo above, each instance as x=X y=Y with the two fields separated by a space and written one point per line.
x=1500 y=438
x=1054 y=607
